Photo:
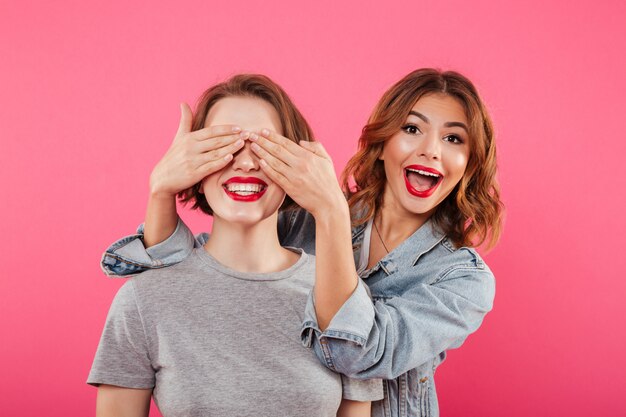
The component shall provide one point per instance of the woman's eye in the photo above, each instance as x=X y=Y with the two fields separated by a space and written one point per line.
x=453 y=139
x=411 y=129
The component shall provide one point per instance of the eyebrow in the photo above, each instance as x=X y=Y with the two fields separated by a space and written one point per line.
x=447 y=124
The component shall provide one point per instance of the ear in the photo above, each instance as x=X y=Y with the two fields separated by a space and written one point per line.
x=381 y=157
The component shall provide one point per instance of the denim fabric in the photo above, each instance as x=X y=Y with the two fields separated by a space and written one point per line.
x=128 y=256
x=423 y=298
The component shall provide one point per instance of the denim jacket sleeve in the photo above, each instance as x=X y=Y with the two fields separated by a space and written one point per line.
x=361 y=389
x=128 y=256
x=386 y=337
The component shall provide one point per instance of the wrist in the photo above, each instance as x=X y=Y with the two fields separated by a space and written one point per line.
x=161 y=195
x=160 y=185
x=159 y=191
x=333 y=215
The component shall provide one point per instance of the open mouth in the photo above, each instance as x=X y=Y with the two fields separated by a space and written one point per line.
x=422 y=181
x=245 y=188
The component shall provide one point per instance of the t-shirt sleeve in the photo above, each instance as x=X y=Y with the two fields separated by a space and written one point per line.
x=362 y=390
x=122 y=358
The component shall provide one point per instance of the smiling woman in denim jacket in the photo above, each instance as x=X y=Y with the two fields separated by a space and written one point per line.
x=398 y=281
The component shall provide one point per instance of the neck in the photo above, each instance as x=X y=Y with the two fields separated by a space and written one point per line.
x=395 y=223
x=249 y=247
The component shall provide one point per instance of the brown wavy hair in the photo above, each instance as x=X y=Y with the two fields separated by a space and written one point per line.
x=472 y=214
x=293 y=124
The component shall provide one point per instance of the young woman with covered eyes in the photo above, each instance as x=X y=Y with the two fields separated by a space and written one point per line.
x=398 y=281
x=219 y=333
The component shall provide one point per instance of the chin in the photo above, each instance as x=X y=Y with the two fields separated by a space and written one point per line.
x=418 y=207
x=246 y=217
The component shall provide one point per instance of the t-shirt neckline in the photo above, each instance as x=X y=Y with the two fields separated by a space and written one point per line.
x=213 y=263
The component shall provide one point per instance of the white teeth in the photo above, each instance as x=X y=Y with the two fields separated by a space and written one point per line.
x=244 y=189
x=419 y=171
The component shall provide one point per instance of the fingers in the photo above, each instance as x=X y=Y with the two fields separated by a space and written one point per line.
x=280 y=140
x=186 y=117
x=275 y=163
x=273 y=150
x=214 y=131
x=221 y=152
x=276 y=177
x=214 y=165
x=221 y=141
x=315 y=147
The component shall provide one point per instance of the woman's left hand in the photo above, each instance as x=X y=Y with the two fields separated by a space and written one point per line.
x=305 y=171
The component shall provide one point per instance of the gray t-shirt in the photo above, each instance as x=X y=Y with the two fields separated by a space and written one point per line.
x=212 y=341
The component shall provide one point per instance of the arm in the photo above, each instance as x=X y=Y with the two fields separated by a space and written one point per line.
x=164 y=240
x=116 y=401
x=128 y=256
x=161 y=219
x=335 y=273
x=387 y=338
x=349 y=408
x=307 y=175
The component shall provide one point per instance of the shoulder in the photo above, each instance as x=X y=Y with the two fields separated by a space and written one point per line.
x=157 y=274
x=308 y=266
x=164 y=279
x=451 y=272
x=463 y=269
x=431 y=254
x=460 y=257
x=124 y=305
x=304 y=266
x=446 y=261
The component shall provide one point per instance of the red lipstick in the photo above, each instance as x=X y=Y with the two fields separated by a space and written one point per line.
x=423 y=171
x=245 y=189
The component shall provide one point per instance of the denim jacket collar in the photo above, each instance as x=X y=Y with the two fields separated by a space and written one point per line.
x=408 y=252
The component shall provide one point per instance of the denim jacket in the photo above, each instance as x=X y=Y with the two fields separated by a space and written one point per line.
x=423 y=298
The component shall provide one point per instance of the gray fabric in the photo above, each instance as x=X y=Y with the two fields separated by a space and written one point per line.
x=214 y=341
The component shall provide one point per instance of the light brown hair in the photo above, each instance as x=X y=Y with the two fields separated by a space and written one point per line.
x=472 y=214
x=293 y=124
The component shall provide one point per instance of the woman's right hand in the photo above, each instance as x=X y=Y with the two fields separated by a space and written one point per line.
x=194 y=155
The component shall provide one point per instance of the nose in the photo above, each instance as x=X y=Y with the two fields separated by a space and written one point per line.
x=245 y=160
x=430 y=146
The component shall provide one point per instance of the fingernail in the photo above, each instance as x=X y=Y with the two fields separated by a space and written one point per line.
x=239 y=142
x=228 y=157
x=265 y=132
x=236 y=129
x=244 y=135
x=253 y=136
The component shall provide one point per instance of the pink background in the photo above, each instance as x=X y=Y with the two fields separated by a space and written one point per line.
x=90 y=99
